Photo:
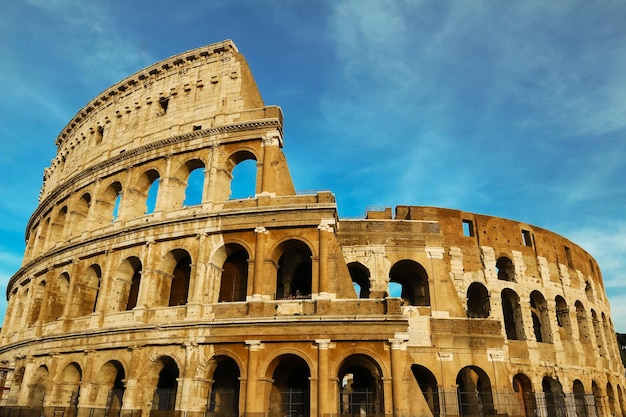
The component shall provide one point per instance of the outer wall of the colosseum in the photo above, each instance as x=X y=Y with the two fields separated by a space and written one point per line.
x=122 y=300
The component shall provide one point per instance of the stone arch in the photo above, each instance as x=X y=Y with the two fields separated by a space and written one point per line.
x=38 y=387
x=164 y=376
x=294 y=276
x=58 y=297
x=609 y=336
x=68 y=387
x=56 y=231
x=290 y=392
x=597 y=330
x=108 y=204
x=414 y=281
x=428 y=385
x=580 y=403
x=80 y=212
x=512 y=314
x=525 y=396
x=610 y=396
x=125 y=287
x=234 y=282
x=145 y=193
x=187 y=187
x=597 y=397
x=243 y=171
x=474 y=392
x=505 y=269
x=177 y=264
x=360 y=275
x=39 y=291
x=540 y=317
x=224 y=393
x=478 y=301
x=553 y=397
x=584 y=333
x=109 y=385
x=360 y=386
x=562 y=318
x=86 y=292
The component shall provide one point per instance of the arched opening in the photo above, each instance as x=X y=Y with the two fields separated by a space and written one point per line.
x=562 y=318
x=181 y=275
x=580 y=402
x=474 y=392
x=234 y=284
x=39 y=290
x=149 y=184
x=584 y=334
x=86 y=294
x=59 y=297
x=597 y=397
x=110 y=388
x=360 y=386
x=243 y=182
x=108 y=205
x=224 y=395
x=428 y=385
x=610 y=396
x=553 y=397
x=597 y=329
x=70 y=385
x=167 y=385
x=38 y=387
x=295 y=271
x=541 y=317
x=478 y=301
x=195 y=184
x=57 y=227
x=290 y=392
x=79 y=214
x=609 y=336
x=525 y=397
x=505 y=269
x=414 y=280
x=360 y=278
x=125 y=286
x=512 y=312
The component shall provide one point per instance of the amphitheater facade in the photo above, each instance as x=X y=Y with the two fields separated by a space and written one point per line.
x=147 y=290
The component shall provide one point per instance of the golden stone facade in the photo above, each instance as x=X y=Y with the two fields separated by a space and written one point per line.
x=135 y=300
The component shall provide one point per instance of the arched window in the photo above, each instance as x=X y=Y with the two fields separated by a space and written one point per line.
x=224 y=396
x=59 y=297
x=541 y=318
x=610 y=395
x=70 y=388
x=108 y=205
x=167 y=385
x=125 y=288
x=512 y=312
x=584 y=332
x=145 y=193
x=562 y=318
x=597 y=330
x=295 y=274
x=195 y=186
x=181 y=276
x=428 y=385
x=360 y=386
x=57 y=227
x=580 y=403
x=474 y=392
x=506 y=269
x=84 y=301
x=234 y=284
x=79 y=214
x=243 y=183
x=110 y=386
x=525 y=397
x=478 y=301
x=360 y=278
x=414 y=280
x=39 y=388
x=290 y=390
x=38 y=294
x=553 y=397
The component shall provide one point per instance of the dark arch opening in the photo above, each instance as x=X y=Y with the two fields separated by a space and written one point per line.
x=181 y=277
x=360 y=278
x=414 y=281
x=554 y=397
x=224 y=396
x=295 y=271
x=290 y=393
x=525 y=397
x=234 y=284
x=428 y=385
x=167 y=385
x=512 y=312
x=505 y=268
x=360 y=386
x=478 y=301
x=474 y=392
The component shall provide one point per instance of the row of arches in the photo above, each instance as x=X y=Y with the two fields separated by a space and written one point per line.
x=168 y=283
x=599 y=333
x=160 y=187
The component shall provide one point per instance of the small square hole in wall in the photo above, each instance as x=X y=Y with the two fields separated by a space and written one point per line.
x=197 y=128
x=527 y=238
x=468 y=228
x=164 y=102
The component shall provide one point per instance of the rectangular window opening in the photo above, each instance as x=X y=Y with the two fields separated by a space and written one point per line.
x=197 y=128
x=100 y=134
x=527 y=238
x=568 y=256
x=468 y=228
x=164 y=102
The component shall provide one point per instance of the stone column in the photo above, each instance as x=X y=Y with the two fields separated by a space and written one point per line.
x=254 y=405
x=397 y=345
x=323 y=404
x=324 y=229
x=259 y=258
x=270 y=144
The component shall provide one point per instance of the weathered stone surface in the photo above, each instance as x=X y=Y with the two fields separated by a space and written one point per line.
x=227 y=305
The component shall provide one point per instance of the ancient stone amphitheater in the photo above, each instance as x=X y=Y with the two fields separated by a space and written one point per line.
x=147 y=290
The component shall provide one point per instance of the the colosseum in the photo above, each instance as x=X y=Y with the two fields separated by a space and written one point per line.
x=146 y=290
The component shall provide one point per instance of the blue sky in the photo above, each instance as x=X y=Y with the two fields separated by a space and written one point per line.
x=512 y=109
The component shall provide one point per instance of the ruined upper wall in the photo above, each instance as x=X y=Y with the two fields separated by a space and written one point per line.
x=199 y=89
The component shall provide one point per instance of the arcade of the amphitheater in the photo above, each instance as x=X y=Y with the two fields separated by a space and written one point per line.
x=147 y=289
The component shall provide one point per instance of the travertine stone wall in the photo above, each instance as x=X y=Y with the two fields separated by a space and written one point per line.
x=134 y=298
